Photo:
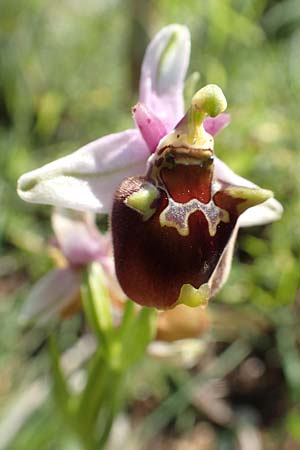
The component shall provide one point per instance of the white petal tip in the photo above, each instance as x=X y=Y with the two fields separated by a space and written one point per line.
x=87 y=179
x=269 y=211
x=26 y=182
x=175 y=28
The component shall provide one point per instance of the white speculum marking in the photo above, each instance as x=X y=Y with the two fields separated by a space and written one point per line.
x=177 y=215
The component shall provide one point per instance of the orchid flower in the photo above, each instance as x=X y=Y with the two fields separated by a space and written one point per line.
x=176 y=208
x=79 y=243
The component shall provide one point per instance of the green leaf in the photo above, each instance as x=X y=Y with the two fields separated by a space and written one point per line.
x=128 y=319
x=288 y=283
x=137 y=335
x=94 y=394
x=293 y=424
x=60 y=386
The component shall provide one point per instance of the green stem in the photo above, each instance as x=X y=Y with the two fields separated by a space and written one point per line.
x=101 y=402
x=93 y=395
x=119 y=349
x=113 y=406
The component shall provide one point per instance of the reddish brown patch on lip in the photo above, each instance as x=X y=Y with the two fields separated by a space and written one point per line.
x=185 y=183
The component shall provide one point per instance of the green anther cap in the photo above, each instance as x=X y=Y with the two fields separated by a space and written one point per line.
x=210 y=100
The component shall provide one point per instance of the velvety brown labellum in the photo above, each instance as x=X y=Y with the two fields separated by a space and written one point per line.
x=153 y=260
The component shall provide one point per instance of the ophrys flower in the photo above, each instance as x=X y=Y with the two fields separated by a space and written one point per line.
x=175 y=222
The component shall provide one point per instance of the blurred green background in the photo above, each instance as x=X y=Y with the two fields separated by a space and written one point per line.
x=69 y=73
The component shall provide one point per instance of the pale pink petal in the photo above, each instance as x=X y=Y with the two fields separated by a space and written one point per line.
x=151 y=128
x=215 y=124
x=78 y=237
x=221 y=272
x=50 y=295
x=163 y=73
x=266 y=212
x=87 y=179
x=224 y=173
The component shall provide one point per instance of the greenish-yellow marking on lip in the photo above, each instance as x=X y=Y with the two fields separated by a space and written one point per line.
x=143 y=199
x=191 y=296
x=193 y=154
x=251 y=196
